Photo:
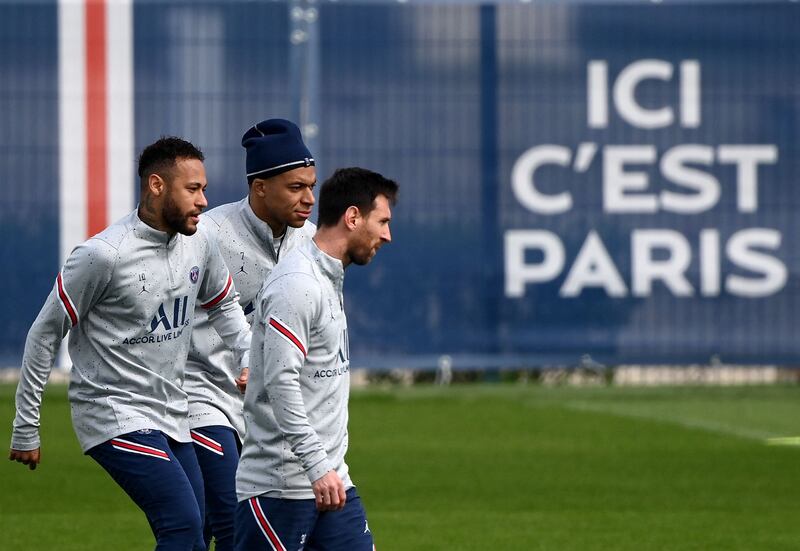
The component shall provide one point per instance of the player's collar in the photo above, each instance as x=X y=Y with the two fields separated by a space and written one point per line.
x=260 y=228
x=149 y=233
x=331 y=267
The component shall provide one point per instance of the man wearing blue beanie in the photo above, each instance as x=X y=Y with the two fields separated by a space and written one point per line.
x=253 y=234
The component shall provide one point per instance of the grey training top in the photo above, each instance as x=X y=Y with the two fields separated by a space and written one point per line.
x=127 y=296
x=295 y=406
x=248 y=247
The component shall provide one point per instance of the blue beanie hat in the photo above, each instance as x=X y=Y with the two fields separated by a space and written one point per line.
x=274 y=146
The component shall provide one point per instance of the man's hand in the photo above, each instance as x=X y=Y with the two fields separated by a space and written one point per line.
x=241 y=380
x=329 y=492
x=30 y=458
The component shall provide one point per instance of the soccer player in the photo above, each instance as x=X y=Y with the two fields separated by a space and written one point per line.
x=293 y=485
x=127 y=296
x=252 y=234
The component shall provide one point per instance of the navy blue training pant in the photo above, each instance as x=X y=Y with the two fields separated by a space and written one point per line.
x=163 y=478
x=217 y=449
x=264 y=523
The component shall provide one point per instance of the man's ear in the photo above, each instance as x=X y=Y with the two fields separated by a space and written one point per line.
x=156 y=184
x=258 y=187
x=352 y=216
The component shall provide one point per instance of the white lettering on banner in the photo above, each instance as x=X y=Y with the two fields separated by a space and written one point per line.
x=627 y=187
x=593 y=267
x=617 y=181
x=522 y=179
x=624 y=94
x=685 y=179
x=671 y=271
x=747 y=158
x=675 y=166
x=710 y=267
x=741 y=249
x=658 y=257
x=518 y=272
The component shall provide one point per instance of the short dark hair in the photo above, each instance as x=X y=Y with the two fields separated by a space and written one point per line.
x=161 y=156
x=352 y=187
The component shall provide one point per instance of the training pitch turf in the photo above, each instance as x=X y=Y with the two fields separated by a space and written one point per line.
x=494 y=467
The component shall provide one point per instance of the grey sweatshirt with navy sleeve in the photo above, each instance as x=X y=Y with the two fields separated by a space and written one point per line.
x=295 y=406
x=127 y=297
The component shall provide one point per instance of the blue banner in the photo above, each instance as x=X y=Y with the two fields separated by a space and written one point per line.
x=648 y=169
x=612 y=179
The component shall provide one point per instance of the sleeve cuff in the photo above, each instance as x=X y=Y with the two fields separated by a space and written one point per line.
x=244 y=360
x=319 y=469
x=25 y=443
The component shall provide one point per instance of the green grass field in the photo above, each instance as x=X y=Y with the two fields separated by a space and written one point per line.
x=494 y=467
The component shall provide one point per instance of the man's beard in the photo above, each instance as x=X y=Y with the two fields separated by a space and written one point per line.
x=361 y=256
x=177 y=221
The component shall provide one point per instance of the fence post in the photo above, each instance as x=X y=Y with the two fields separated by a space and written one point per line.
x=304 y=71
x=492 y=244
